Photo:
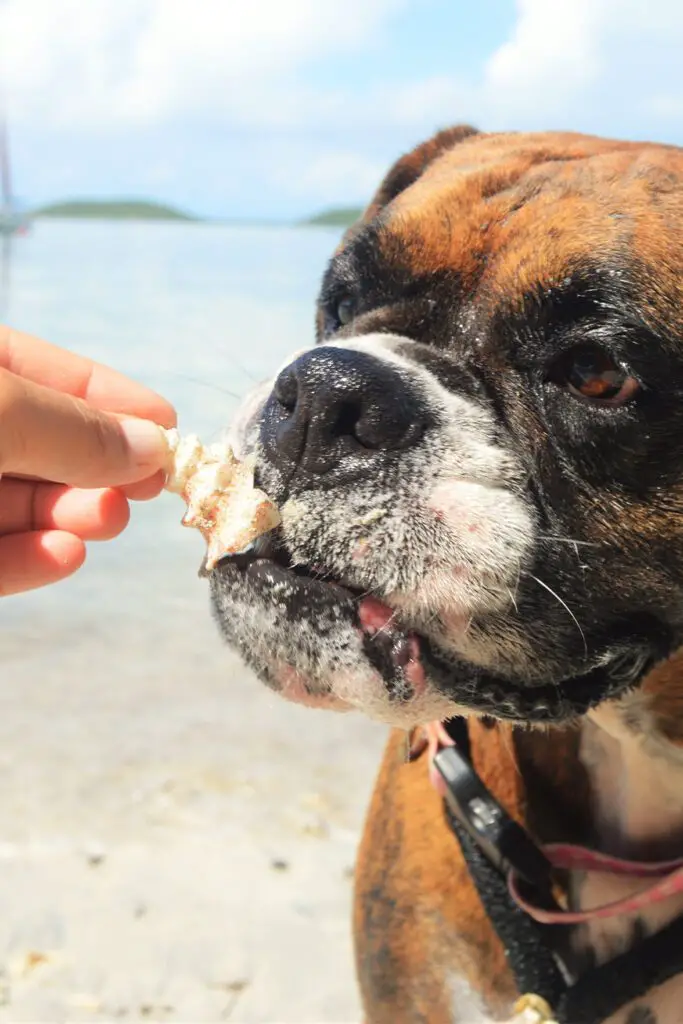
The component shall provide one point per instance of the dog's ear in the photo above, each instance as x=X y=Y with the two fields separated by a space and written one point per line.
x=409 y=167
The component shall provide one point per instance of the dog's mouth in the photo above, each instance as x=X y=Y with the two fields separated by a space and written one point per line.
x=412 y=667
x=393 y=650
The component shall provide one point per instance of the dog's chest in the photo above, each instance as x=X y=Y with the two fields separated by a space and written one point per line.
x=602 y=940
x=638 y=812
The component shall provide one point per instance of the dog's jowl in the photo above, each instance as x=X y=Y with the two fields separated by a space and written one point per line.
x=479 y=468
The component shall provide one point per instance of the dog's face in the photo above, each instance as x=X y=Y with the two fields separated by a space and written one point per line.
x=480 y=465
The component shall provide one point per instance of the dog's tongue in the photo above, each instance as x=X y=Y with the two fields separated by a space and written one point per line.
x=393 y=650
x=374 y=616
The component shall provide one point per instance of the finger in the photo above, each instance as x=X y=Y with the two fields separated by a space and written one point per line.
x=89 y=514
x=144 y=490
x=56 y=437
x=141 y=490
x=46 y=364
x=30 y=560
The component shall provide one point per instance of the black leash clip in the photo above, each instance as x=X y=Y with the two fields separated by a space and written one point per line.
x=506 y=844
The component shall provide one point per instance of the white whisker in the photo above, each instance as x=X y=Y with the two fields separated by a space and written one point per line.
x=387 y=625
x=566 y=608
x=569 y=540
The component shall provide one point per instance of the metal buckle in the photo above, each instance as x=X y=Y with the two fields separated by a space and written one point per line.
x=506 y=844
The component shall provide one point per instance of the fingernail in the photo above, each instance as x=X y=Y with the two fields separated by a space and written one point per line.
x=146 y=442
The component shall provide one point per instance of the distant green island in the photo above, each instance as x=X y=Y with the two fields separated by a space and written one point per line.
x=336 y=217
x=113 y=209
x=143 y=209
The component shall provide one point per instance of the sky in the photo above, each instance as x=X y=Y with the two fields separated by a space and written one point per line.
x=280 y=108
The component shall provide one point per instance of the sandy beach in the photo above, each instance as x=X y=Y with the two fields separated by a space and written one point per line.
x=176 y=845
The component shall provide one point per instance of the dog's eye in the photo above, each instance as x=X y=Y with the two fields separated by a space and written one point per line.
x=345 y=310
x=592 y=374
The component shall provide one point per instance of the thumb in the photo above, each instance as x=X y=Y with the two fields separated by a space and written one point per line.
x=53 y=436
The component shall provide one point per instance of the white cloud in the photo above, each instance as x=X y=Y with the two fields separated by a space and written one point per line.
x=108 y=64
x=337 y=173
x=587 y=64
x=607 y=66
x=553 y=52
x=227 y=91
x=439 y=97
x=98 y=63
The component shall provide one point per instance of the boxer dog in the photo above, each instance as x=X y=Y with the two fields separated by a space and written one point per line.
x=480 y=472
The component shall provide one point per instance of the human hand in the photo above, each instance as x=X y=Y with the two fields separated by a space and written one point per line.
x=77 y=441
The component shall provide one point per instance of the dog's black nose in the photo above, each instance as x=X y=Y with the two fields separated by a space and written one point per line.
x=333 y=408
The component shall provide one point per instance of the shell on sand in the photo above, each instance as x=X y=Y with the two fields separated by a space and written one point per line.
x=222 y=502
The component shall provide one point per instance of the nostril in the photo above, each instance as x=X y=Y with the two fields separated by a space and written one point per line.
x=286 y=390
x=375 y=429
x=346 y=419
x=371 y=425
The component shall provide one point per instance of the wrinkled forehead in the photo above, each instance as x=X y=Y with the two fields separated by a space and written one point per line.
x=508 y=215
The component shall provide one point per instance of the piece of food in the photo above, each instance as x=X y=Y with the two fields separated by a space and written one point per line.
x=222 y=502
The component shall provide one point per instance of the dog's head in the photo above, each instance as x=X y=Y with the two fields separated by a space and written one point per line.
x=480 y=465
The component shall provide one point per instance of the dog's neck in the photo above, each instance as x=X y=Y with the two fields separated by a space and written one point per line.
x=636 y=777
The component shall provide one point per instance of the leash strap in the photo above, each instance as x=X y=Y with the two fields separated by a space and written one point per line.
x=668 y=873
x=530 y=959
